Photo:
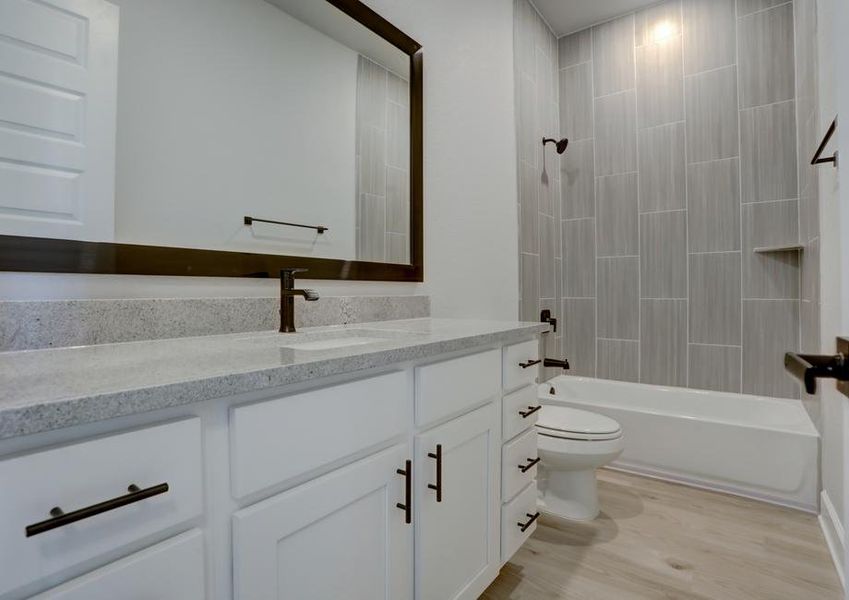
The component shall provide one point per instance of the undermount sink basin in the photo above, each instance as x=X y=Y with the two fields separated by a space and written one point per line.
x=317 y=341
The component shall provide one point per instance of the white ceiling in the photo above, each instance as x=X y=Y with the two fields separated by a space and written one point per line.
x=569 y=16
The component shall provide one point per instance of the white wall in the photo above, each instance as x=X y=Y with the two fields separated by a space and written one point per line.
x=471 y=263
x=833 y=20
x=228 y=109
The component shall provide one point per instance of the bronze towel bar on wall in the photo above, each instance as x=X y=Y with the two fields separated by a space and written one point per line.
x=817 y=160
x=318 y=228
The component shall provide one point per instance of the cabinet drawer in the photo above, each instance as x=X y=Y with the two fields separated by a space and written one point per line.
x=87 y=473
x=517 y=411
x=450 y=387
x=277 y=440
x=515 y=375
x=515 y=515
x=172 y=570
x=519 y=453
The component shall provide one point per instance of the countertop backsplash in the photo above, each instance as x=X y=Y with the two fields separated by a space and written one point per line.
x=30 y=325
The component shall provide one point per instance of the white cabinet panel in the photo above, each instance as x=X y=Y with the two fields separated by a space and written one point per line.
x=520 y=411
x=84 y=474
x=276 y=440
x=339 y=536
x=58 y=82
x=518 y=464
x=520 y=367
x=454 y=386
x=516 y=516
x=457 y=538
x=172 y=570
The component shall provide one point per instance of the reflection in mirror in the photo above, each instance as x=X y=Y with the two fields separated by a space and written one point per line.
x=168 y=122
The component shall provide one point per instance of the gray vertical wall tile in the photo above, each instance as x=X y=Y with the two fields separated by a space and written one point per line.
x=397 y=248
x=768 y=152
x=658 y=23
x=616 y=133
x=579 y=335
x=576 y=102
x=770 y=328
x=662 y=168
x=613 y=56
x=715 y=298
x=711 y=100
x=713 y=205
x=663 y=342
x=617 y=227
x=618 y=292
x=373 y=227
x=773 y=274
x=575 y=48
x=709 y=34
x=526 y=119
x=745 y=7
x=530 y=287
x=398 y=136
x=619 y=360
x=663 y=255
x=372 y=153
x=660 y=83
x=579 y=258
x=397 y=201
x=766 y=56
x=398 y=90
x=547 y=239
x=528 y=209
x=715 y=368
x=577 y=180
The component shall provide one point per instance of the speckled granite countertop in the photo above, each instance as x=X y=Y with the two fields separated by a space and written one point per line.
x=42 y=390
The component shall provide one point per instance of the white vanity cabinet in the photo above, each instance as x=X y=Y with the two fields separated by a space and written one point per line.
x=458 y=500
x=339 y=536
x=402 y=483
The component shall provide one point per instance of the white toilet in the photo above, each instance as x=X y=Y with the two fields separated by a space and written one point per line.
x=572 y=445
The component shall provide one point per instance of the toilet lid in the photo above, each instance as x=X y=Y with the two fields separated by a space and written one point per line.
x=571 y=423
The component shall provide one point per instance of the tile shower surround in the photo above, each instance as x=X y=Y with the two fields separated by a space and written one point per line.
x=682 y=121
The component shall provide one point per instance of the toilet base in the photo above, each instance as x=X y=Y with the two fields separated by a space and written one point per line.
x=570 y=495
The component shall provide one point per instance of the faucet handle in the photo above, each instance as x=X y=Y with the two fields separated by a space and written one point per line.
x=292 y=271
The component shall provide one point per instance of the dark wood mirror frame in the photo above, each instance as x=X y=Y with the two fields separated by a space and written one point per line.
x=46 y=255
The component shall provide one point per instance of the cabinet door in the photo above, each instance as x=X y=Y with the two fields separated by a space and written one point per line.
x=457 y=538
x=172 y=570
x=339 y=536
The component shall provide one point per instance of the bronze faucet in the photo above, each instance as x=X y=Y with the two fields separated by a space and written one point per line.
x=287 y=298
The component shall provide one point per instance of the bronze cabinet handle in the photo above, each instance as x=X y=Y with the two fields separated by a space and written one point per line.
x=530 y=465
x=530 y=363
x=60 y=518
x=438 y=458
x=531 y=410
x=524 y=526
x=407 y=507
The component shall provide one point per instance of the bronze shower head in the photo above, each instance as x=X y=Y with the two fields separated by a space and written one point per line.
x=559 y=145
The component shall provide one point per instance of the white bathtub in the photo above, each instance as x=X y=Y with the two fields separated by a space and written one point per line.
x=763 y=448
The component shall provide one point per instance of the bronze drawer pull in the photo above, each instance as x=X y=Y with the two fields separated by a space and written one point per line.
x=438 y=458
x=407 y=507
x=530 y=363
x=531 y=410
x=531 y=463
x=524 y=526
x=59 y=518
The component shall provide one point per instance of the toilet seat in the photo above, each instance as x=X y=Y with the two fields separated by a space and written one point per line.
x=573 y=424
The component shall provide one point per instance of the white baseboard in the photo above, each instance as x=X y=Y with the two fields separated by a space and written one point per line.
x=832 y=529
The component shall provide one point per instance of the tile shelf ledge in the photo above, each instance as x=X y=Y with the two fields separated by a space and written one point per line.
x=784 y=248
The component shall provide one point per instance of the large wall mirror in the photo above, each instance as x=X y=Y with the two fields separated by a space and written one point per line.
x=209 y=137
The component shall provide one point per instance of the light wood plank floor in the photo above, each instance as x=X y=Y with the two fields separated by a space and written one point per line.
x=657 y=540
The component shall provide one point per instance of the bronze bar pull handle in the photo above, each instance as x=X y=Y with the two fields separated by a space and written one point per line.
x=60 y=518
x=438 y=487
x=524 y=526
x=407 y=507
x=530 y=363
x=530 y=465
x=531 y=410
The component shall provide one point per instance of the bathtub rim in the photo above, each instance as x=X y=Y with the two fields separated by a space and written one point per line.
x=805 y=427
